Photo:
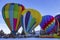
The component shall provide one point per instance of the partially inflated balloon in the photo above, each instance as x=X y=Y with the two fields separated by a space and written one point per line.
x=49 y=24
x=30 y=18
x=11 y=13
x=57 y=17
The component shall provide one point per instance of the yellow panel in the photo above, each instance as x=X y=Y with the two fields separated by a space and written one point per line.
x=7 y=10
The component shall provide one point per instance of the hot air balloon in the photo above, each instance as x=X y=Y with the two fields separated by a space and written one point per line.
x=30 y=18
x=11 y=13
x=57 y=17
x=49 y=24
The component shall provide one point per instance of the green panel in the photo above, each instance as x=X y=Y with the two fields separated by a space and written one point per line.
x=15 y=11
x=7 y=11
x=32 y=23
x=3 y=13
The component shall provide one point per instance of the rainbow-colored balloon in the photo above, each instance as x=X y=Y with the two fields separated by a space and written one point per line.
x=30 y=18
x=48 y=24
x=11 y=13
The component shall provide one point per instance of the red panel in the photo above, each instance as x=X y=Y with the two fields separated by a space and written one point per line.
x=14 y=22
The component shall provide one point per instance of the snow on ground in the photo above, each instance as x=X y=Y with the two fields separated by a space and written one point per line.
x=30 y=39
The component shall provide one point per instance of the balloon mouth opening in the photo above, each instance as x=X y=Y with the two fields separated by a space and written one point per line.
x=14 y=32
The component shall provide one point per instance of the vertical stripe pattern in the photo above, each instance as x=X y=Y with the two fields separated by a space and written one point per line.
x=30 y=19
x=11 y=13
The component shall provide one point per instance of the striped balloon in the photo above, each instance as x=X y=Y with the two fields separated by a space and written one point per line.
x=11 y=13
x=48 y=24
x=58 y=18
x=30 y=18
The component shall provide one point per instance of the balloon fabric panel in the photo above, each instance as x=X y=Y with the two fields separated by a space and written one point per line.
x=27 y=19
x=15 y=16
x=58 y=18
x=5 y=15
x=18 y=19
x=11 y=15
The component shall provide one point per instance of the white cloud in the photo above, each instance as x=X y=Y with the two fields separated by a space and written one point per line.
x=38 y=28
x=56 y=13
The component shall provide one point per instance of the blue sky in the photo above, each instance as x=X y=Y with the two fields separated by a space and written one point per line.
x=45 y=7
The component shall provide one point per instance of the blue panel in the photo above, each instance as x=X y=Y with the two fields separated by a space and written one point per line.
x=27 y=19
x=28 y=26
x=50 y=27
x=42 y=23
x=11 y=15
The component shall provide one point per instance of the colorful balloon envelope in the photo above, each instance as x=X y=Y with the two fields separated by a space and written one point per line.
x=30 y=18
x=49 y=24
x=11 y=13
x=57 y=17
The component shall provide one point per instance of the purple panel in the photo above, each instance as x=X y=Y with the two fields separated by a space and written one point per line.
x=27 y=19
